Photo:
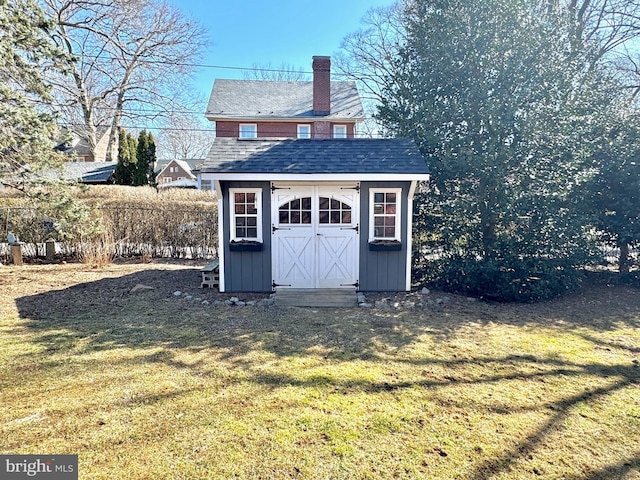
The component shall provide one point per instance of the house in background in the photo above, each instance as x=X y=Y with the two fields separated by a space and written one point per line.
x=275 y=109
x=88 y=173
x=315 y=207
x=172 y=173
x=77 y=148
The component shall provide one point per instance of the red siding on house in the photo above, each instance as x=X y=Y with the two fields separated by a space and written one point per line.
x=227 y=129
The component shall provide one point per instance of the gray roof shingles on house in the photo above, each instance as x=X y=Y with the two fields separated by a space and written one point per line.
x=192 y=163
x=258 y=99
x=89 y=172
x=315 y=156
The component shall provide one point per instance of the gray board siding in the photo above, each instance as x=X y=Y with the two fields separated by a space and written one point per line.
x=382 y=271
x=248 y=271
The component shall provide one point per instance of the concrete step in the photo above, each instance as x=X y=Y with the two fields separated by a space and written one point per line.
x=320 y=297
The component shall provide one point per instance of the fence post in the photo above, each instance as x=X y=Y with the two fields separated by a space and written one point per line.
x=50 y=247
x=16 y=254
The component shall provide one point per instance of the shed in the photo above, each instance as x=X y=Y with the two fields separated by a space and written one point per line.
x=314 y=213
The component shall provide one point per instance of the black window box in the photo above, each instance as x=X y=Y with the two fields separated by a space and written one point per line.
x=385 y=246
x=245 y=246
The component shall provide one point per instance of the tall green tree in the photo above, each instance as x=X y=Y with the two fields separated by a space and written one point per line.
x=506 y=115
x=27 y=125
x=613 y=193
x=125 y=171
x=146 y=159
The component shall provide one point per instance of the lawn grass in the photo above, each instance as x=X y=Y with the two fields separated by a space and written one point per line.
x=150 y=386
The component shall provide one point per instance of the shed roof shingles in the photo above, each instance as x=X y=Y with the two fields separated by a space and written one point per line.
x=255 y=99
x=291 y=156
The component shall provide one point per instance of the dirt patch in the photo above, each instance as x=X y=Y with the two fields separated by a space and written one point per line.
x=160 y=279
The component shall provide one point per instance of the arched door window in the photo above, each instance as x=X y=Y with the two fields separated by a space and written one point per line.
x=332 y=211
x=295 y=212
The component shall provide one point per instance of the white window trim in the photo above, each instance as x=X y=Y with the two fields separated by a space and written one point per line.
x=343 y=133
x=398 y=192
x=306 y=135
x=232 y=211
x=254 y=133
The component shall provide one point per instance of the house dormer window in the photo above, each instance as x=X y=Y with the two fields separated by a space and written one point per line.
x=304 y=131
x=248 y=130
x=339 y=131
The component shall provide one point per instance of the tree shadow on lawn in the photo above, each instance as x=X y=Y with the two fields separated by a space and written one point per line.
x=104 y=315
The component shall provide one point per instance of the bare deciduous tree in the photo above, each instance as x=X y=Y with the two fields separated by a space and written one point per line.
x=185 y=136
x=283 y=73
x=132 y=60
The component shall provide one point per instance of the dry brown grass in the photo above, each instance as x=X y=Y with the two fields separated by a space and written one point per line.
x=145 y=195
x=146 y=385
x=134 y=221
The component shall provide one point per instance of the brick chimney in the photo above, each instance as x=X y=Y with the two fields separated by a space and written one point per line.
x=321 y=85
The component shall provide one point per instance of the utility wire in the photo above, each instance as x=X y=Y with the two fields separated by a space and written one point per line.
x=224 y=67
x=277 y=134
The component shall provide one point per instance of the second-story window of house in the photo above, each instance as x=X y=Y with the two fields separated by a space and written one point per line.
x=339 y=131
x=304 y=131
x=248 y=130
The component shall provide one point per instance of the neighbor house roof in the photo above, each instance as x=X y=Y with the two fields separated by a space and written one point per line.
x=356 y=158
x=89 y=172
x=76 y=141
x=83 y=172
x=276 y=100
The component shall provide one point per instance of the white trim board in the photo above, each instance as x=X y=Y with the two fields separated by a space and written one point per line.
x=316 y=177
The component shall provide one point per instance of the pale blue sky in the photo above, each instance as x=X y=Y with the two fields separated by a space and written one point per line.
x=248 y=32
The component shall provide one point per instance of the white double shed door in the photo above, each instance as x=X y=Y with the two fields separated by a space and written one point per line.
x=315 y=235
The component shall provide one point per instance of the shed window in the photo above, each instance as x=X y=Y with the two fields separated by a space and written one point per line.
x=246 y=214
x=385 y=214
x=296 y=212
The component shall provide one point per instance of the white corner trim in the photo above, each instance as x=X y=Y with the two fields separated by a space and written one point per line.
x=412 y=191
x=220 y=237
